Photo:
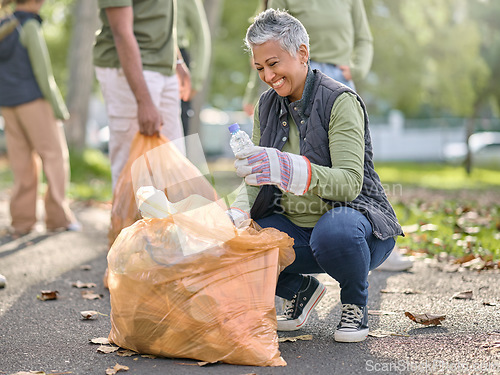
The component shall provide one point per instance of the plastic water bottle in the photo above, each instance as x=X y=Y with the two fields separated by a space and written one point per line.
x=239 y=139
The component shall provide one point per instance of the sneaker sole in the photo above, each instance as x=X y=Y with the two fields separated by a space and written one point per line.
x=294 y=325
x=355 y=336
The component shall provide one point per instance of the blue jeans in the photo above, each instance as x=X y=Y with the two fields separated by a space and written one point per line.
x=341 y=244
x=332 y=71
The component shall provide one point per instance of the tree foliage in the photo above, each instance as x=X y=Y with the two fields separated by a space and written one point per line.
x=427 y=57
x=487 y=14
x=231 y=64
x=57 y=26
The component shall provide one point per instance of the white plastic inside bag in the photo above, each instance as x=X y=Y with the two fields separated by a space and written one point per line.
x=153 y=203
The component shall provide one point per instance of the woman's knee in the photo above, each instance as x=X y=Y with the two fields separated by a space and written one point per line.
x=342 y=223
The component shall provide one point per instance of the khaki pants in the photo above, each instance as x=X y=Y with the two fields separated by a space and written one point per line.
x=33 y=134
x=121 y=107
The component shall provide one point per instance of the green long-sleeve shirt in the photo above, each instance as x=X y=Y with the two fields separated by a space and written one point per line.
x=32 y=39
x=193 y=34
x=340 y=182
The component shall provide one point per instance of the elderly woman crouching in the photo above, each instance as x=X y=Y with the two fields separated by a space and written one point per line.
x=312 y=177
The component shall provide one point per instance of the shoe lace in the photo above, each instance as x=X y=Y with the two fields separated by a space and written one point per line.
x=289 y=307
x=351 y=316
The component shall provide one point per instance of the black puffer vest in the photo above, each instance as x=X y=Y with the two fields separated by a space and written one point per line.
x=314 y=144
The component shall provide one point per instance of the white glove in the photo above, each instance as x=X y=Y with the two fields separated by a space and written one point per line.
x=269 y=166
x=237 y=216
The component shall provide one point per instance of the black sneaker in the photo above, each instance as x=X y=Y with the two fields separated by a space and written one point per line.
x=296 y=311
x=353 y=326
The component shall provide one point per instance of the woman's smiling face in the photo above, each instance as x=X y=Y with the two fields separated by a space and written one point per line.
x=285 y=73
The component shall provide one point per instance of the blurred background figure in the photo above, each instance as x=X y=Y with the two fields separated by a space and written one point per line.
x=341 y=40
x=33 y=108
x=193 y=37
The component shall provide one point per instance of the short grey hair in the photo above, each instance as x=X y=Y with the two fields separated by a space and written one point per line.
x=275 y=24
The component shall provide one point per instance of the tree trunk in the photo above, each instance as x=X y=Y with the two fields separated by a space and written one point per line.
x=81 y=71
x=213 y=10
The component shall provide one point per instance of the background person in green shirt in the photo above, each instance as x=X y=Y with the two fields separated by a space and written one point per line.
x=141 y=73
x=33 y=108
x=340 y=37
x=312 y=177
x=193 y=36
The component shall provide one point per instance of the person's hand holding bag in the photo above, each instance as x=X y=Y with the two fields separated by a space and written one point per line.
x=269 y=166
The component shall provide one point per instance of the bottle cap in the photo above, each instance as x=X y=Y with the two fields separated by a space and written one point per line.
x=234 y=128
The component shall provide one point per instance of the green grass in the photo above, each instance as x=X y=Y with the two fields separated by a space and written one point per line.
x=437 y=176
x=453 y=226
x=90 y=176
x=463 y=211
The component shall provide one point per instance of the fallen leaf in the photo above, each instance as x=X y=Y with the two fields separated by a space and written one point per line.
x=29 y=373
x=100 y=341
x=126 y=353
x=148 y=356
x=115 y=369
x=205 y=363
x=465 y=259
x=463 y=295
x=403 y=291
x=107 y=349
x=184 y=363
x=295 y=338
x=380 y=312
x=429 y=228
x=80 y=284
x=493 y=347
x=88 y=315
x=381 y=333
x=472 y=230
x=47 y=295
x=437 y=242
x=475 y=264
x=426 y=319
x=89 y=294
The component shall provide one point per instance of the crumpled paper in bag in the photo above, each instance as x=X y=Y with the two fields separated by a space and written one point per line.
x=213 y=304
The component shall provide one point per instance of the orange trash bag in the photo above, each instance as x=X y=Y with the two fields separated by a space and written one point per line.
x=190 y=284
x=158 y=163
